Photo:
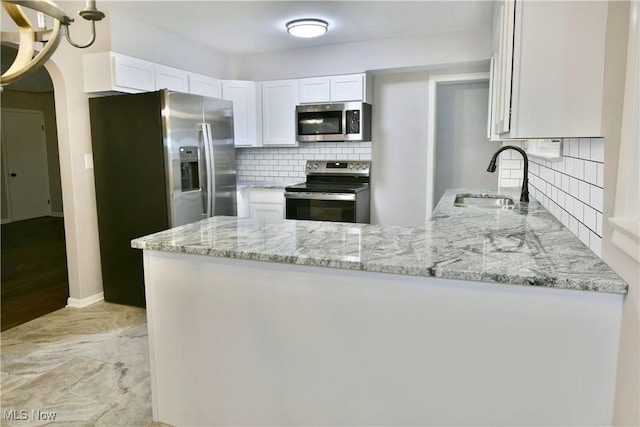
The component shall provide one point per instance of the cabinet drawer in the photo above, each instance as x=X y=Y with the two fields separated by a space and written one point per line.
x=267 y=196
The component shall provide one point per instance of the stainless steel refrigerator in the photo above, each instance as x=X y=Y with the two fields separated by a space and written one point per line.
x=161 y=159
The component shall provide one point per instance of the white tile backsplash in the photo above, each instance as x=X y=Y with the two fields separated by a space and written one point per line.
x=287 y=164
x=572 y=189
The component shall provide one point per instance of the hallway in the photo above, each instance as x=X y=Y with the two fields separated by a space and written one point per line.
x=34 y=270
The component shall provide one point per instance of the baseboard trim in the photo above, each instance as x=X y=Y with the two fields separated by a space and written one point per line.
x=85 y=302
x=53 y=214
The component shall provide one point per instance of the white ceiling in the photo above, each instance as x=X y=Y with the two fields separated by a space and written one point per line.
x=246 y=27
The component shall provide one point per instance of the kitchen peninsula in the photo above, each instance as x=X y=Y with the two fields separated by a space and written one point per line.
x=480 y=317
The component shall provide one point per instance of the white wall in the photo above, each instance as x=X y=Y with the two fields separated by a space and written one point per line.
x=399 y=146
x=627 y=405
x=74 y=142
x=440 y=49
x=463 y=150
x=146 y=42
x=399 y=149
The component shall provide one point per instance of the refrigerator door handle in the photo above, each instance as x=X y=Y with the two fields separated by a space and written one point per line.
x=208 y=144
x=203 y=129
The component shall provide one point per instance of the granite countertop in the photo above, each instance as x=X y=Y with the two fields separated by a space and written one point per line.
x=523 y=246
x=265 y=185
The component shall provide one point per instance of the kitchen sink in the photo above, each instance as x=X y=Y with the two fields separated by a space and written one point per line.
x=484 y=201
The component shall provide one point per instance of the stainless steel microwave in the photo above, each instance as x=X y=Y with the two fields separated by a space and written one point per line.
x=339 y=121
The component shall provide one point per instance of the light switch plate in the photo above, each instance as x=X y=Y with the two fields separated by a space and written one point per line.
x=88 y=161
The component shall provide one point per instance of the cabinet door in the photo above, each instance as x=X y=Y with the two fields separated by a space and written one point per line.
x=243 y=199
x=558 y=69
x=267 y=211
x=347 y=88
x=279 y=100
x=266 y=203
x=171 y=78
x=491 y=134
x=205 y=86
x=316 y=89
x=243 y=95
x=132 y=73
x=504 y=58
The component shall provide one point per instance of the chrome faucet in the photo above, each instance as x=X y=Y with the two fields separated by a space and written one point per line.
x=524 y=194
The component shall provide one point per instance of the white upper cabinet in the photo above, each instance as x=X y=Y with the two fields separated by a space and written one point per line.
x=279 y=100
x=554 y=52
x=350 y=87
x=502 y=68
x=243 y=94
x=315 y=89
x=205 y=86
x=110 y=71
x=171 y=78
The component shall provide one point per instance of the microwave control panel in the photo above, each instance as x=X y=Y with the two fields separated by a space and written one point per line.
x=353 y=122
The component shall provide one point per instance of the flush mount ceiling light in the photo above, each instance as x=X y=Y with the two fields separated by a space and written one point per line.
x=307 y=28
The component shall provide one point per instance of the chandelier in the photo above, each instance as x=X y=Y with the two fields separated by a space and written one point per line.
x=27 y=35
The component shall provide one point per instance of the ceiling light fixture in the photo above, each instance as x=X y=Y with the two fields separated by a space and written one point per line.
x=307 y=28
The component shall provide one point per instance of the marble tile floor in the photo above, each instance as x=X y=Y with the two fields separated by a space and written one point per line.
x=86 y=367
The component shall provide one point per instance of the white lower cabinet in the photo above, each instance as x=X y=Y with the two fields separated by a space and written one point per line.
x=261 y=203
x=267 y=211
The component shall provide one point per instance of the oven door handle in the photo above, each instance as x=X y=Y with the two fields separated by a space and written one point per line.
x=341 y=197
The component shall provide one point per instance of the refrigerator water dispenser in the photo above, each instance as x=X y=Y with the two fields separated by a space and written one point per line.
x=189 y=172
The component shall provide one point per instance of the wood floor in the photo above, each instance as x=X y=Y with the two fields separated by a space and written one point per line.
x=34 y=270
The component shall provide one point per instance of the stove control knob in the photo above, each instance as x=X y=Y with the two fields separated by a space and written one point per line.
x=364 y=166
x=350 y=165
x=357 y=165
x=315 y=166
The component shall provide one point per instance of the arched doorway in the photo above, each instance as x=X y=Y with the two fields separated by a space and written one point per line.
x=34 y=264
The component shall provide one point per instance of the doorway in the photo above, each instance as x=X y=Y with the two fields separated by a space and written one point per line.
x=458 y=144
x=25 y=164
x=34 y=276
